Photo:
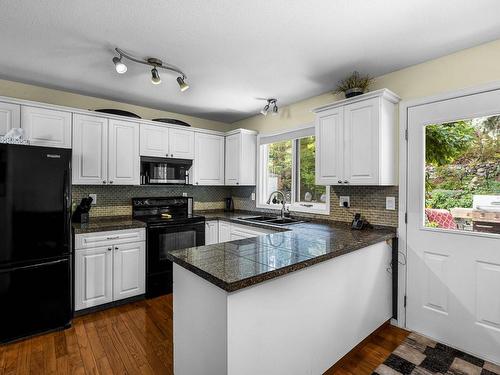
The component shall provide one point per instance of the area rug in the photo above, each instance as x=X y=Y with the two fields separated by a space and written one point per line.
x=418 y=355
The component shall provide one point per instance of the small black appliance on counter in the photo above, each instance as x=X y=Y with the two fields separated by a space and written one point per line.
x=81 y=214
x=228 y=204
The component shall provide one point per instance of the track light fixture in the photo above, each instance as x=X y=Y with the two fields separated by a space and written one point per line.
x=270 y=103
x=155 y=63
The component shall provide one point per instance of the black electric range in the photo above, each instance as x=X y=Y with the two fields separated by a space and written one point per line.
x=171 y=225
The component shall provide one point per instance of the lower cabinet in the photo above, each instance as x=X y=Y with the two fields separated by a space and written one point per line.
x=110 y=272
x=224 y=231
x=211 y=232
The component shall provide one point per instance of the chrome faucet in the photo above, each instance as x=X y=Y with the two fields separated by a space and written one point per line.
x=283 y=201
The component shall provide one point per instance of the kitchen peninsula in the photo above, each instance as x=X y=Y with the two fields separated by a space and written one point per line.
x=289 y=302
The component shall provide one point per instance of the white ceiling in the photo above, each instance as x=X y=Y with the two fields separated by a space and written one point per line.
x=233 y=51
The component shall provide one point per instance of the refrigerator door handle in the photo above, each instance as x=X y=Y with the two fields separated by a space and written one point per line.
x=33 y=266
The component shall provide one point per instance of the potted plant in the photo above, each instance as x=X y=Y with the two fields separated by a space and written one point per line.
x=354 y=85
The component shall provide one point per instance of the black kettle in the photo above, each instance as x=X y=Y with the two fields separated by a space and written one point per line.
x=228 y=205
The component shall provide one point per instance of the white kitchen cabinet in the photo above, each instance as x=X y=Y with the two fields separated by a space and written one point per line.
x=224 y=231
x=129 y=270
x=211 y=232
x=90 y=150
x=154 y=140
x=356 y=140
x=109 y=266
x=46 y=127
x=163 y=142
x=181 y=143
x=208 y=165
x=123 y=153
x=240 y=158
x=10 y=117
x=93 y=277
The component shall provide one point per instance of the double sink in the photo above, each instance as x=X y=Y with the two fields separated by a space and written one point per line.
x=272 y=220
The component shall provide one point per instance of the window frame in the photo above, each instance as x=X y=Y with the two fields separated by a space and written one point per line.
x=262 y=175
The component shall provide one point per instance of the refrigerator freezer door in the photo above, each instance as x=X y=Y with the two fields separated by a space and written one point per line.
x=35 y=299
x=34 y=203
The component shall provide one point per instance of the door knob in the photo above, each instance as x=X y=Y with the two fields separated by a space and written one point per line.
x=172 y=155
x=110 y=182
x=104 y=182
x=339 y=181
x=109 y=248
x=346 y=182
x=116 y=247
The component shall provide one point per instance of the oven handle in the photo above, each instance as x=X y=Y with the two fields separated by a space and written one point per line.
x=156 y=226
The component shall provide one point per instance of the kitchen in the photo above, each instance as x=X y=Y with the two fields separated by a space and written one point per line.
x=202 y=239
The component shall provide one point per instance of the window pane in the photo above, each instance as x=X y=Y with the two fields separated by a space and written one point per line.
x=462 y=175
x=279 y=168
x=307 y=190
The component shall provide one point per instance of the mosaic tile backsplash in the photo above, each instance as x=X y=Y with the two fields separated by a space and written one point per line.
x=367 y=200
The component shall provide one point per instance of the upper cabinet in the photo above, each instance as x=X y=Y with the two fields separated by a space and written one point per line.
x=10 y=117
x=240 y=160
x=356 y=140
x=161 y=141
x=105 y=151
x=208 y=166
x=46 y=127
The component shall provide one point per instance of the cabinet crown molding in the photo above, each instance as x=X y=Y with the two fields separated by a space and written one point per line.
x=383 y=93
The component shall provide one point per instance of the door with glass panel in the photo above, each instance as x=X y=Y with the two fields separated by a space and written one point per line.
x=453 y=232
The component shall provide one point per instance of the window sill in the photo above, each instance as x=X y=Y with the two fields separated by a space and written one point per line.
x=325 y=210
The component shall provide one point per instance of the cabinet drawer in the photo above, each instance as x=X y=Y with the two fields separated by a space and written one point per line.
x=247 y=231
x=90 y=240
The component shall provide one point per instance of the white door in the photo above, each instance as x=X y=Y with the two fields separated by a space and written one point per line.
x=90 y=150
x=233 y=159
x=93 y=277
x=181 y=143
x=123 y=153
x=224 y=231
x=10 y=117
x=361 y=142
x=46 y=127
x=453 y=291
x=209 y=159
x=330 y=147
x=211 y=232
x=129 y=271
x=154 y=140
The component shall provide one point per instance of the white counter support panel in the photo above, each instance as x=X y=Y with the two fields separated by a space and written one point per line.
x=300 y=323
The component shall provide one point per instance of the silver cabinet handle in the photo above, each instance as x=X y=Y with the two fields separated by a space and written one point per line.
x=113 y=238
x=116 y=247
x=110 y=181
x=346 y=182
x=104 y=182
x=339 y=181
x=109 y=248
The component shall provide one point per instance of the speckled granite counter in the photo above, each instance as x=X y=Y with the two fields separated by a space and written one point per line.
x=238 y=264
x=107 y=223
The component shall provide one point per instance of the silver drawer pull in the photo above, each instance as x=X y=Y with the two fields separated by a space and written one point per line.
x=113 y=238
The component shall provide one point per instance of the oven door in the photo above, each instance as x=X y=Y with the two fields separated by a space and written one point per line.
x=165 y=238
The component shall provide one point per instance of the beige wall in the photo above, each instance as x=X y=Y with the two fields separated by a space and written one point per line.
x=467 y=68
x=64 y=98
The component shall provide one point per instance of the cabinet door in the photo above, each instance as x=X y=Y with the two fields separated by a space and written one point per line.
x=361 y=128
x=123 y=153
x=211 y=232
x=90 y=150
x=154 y=140
x=224 y=231
x=93 y=277
x=181 y=143
x=129 y=271
x=10 y=117
x=233 y=159
x=46 y=127
x=209 y=159
x=329 y=147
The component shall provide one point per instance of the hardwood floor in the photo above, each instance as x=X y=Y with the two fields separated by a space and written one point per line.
x=137 y=339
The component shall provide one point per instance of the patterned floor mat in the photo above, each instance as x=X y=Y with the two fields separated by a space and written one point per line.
x=418 y=355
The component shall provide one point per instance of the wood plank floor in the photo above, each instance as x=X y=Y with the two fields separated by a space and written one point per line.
x=137 y=339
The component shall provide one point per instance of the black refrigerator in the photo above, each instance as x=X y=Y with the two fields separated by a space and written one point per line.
x=35 y=240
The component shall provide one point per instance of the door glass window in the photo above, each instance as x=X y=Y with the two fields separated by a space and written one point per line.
x=462 y=175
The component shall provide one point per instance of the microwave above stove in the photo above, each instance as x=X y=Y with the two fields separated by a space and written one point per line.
x=157 y=171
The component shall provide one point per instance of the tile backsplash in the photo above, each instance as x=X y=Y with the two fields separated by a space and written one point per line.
x=367 y=200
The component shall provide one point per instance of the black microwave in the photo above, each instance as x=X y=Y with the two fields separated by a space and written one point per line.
x=157 y=171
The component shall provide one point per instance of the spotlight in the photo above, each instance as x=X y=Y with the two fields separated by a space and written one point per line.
x=155 y=77
x=119 y=66
x=275 y=109
x=265 y=109
x=182 y=84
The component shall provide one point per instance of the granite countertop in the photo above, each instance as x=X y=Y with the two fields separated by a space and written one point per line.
x=238 y=264
x=106 y=223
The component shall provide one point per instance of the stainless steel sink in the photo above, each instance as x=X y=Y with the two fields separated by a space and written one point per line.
x=272 y=220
